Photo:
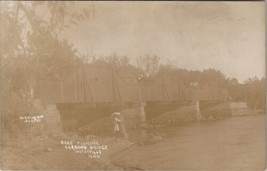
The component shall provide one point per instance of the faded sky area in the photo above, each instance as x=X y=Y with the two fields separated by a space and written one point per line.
x=229 y=36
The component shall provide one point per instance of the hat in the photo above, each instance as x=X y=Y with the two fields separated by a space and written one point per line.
x=116 y=113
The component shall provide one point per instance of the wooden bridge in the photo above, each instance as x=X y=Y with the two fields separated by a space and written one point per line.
x=98 y=84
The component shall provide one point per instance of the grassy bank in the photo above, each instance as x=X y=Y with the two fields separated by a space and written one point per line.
x=47 y=153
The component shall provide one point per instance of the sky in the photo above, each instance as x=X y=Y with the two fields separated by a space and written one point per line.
x=229 y=36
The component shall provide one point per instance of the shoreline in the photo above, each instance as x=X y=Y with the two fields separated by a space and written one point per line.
x=29 y=154
x=44 y=152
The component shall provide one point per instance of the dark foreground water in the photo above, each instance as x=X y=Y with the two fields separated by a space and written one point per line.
x=236 y=143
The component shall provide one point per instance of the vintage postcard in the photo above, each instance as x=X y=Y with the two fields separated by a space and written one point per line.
x=132 y=85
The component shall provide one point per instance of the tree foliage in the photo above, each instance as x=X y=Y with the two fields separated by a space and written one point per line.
x=252 y=92
x=149 y=64
x=31 y=49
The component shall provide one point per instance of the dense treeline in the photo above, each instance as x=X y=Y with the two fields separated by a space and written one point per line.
x=148 y=66
x=252 y=92
x=32 y=49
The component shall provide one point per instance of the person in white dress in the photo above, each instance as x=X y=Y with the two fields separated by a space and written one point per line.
x=117 y=123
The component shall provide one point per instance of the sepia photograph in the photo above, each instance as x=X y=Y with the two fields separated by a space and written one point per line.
x=132 y=85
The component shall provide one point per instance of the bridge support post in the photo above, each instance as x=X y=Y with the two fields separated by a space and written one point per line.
x=123 y=129
x=143 y=120
x=199 y=116
x=142 y=112
x=196 y=87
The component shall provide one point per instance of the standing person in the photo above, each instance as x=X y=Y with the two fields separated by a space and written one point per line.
x=117 y=124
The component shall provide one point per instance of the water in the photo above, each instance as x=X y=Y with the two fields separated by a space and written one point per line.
x=232 y=143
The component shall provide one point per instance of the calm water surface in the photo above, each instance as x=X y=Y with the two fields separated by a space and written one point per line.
x=229 y=144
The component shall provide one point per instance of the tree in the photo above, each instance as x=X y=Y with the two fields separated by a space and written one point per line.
x=252 y=92
x=255 y=92
x=32 y=49
x=148 y=64
x=213 y=75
